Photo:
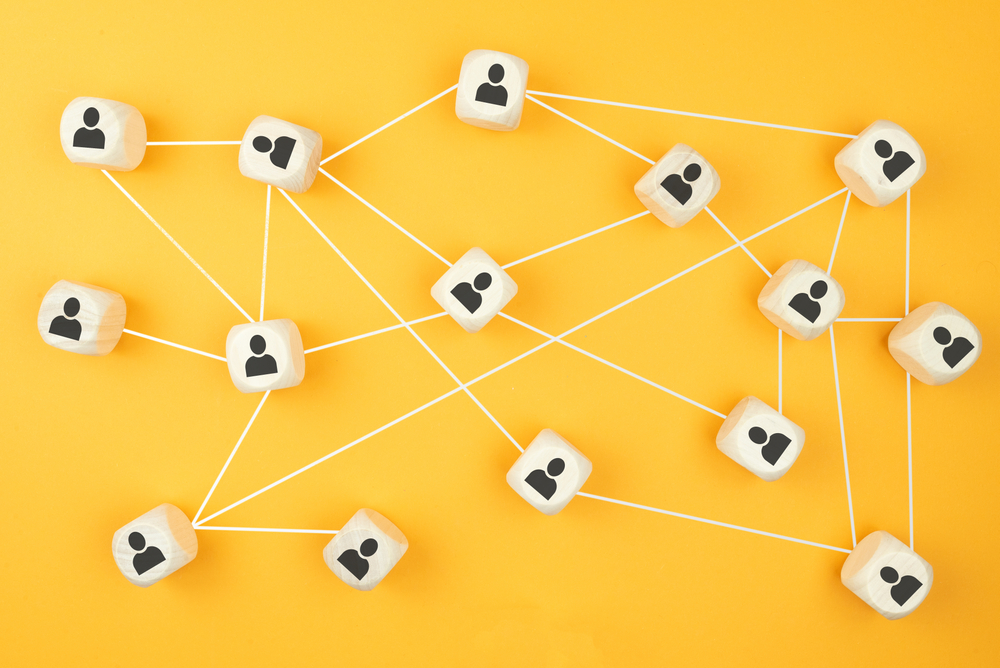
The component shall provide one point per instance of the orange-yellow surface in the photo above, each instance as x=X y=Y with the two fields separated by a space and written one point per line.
x=91 y=443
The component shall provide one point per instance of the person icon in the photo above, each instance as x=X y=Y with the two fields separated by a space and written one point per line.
x=280 y=151
x=66 y=327
x=493 y=94
x=264 y=364
x=955 y=352
x=906 y=588
x=899 y=163
x=90 y=136
x=540 y=481
x=355 y=563
x=146 y=558
x=805 y=305
x=774 y=448
x=678 y=186
x=469 y=295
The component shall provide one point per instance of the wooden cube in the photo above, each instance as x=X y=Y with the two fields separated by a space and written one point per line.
x=549 y=473
x=265 y=356
x=801 y=299
x=887 y=575
x=280 y=153
x=881 y=163
x=678 y=186
x=81 y=318
x=935 y=343
x=474 y=290
x=365 y=550
x=155 y=545
x=491 y=89
x=760 y=439
x=103 y=133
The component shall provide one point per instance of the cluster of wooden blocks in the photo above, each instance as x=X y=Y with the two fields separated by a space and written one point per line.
x=935 y=343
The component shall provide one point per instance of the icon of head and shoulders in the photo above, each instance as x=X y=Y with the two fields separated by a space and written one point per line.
x=469 y=295
x=807 y=305
x=279 y=151
x=66 y=326
x=261 y=365
x=544 y=482
x=89 y=136
x=679 y=186
x=355 y=561
x=894 y=165
x=146 y=557
x=492 y=92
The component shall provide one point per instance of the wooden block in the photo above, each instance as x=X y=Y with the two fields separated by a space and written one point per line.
x=280 y=153
x=678 y=186
x=881 y=163
x=265 y=355
x=491 y=89
x=474 y=290
x=760 y=439
x=365 y=550
x=549 y=473
x=801 y=299
x=887 y=575
x=935 y=343
x=155 y=545
x=103 y=133
x=81 y=318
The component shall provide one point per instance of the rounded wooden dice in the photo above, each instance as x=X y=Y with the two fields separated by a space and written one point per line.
x=365 y=550
x=801 y=299
x=760 y=439
x=103 y=133
x=887 y=575
x=81 y=318
x=491 y=88
x=881 y=163
x=549 y=473
x=153 y=546
x=474 y=290
x=265 y=356
x=678 y=186
x=280 y=153
x=935 y=343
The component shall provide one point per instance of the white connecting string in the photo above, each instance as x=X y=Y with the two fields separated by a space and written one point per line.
x=174 y=345
x=713 y=522
x=906 y=306
x=794 y=215
x=779 y=372
x=691 y=114
x=230 y=458
x=868 y=319
x=262 y=530
x=389 y=124
x=177 y=245
x=738 y=242
x=373 y=333
x=574 y=240
x=843 y=438
x=383 y=216
x=193 y=143
x=263 y=271
x=840 y=228
x=909 y=402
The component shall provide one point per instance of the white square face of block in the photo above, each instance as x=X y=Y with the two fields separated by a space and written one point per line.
x=760 y=439
x=549 y=473
x=150 y=548
x=887 y=575
x=103 y=133
x=280 y=153
x=935 y=343
x=365 y=550
x=801 y=299
x=265 y=356
x=474 y=290
x=491 y=89
x=81 y=318
x=881 y=163
x=678 y=186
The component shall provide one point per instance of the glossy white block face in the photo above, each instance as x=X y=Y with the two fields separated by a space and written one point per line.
x=881 y=163
x=935 y=343
x=81 y=318
x=678 y=186
x=280 y=153
x=365 y=550
x=887 y=575
x=760 y=439
x=104 y=134
x=474 y=290
x=153 y=546
x=549 y=472
x=491 y=89
x=801 y=299
x=265 y=356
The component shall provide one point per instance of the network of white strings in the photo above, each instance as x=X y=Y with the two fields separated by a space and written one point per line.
x=200 y=522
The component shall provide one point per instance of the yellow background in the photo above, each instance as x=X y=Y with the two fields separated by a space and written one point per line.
x=90 y=443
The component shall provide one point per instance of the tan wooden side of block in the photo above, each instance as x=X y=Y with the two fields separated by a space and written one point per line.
x=474 y=290
x=81 y=318
x=760 y=439
x=678 y=186
x=887 y=575
x=881 y=163
x=798 y=291
x=365 y=550
x=265 y=356
x=153 y=546
x=280 y=153
x=104 y=134
x=491 y=88
x=935 y=343
x=549 y=472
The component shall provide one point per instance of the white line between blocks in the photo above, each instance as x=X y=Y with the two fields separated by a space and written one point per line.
x=377 y=331
x=840 y=228
x=843 y=438
x=263 y=530
x=174 y=345
x=263 y=271
x=574 y=240
x=738 y=242
x=194 y=143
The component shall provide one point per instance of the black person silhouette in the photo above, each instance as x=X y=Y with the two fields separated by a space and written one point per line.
x=958 y=349
x=678 y=187
x=775 y=447
x=899 y=163
x=541 y=482
x=89 y=138
x=469 y=297
x=493 y=94
x=906 y=588
x=805 y=306
x=69 y=328
x=282 y=149
x=260 y=366
x=143 y=561
x=354 y=562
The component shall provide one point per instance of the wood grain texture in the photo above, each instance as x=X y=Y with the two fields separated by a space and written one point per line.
x=154 y=545
x=268 y=155
x=282 y=344
x=549 y=472
x=760 y=439
x=887 y=575
x=797 y=281
x=101 y=318
x=691 y=188
x=914 y=343
x=480 y=90
x=357 y=561
x=481 y=304
x=104 y=134
x=878 y=179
